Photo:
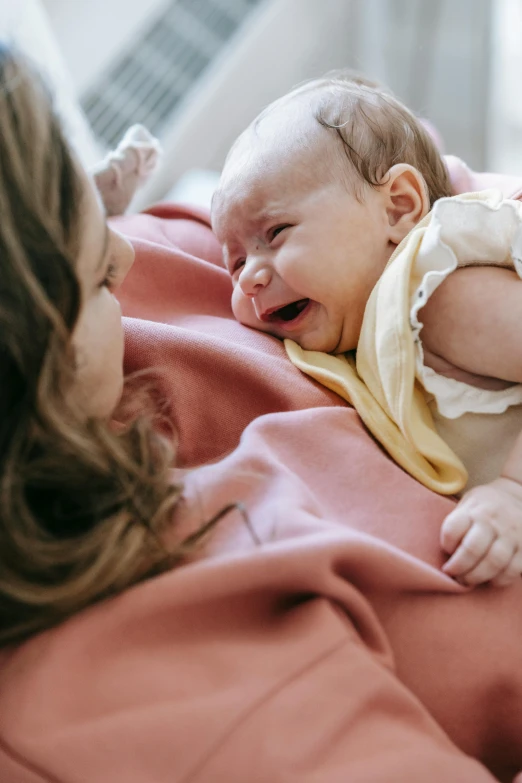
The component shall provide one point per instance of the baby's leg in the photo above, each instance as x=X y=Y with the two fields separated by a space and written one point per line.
x=127 y=167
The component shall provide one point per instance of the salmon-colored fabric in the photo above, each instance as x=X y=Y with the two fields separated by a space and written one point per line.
x=465 y=180
x=320 y=642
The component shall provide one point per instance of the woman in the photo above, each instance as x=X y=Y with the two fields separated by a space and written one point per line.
x=318 y=641
x=81 y=506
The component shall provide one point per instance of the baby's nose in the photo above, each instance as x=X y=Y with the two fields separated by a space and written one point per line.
x=254 y=276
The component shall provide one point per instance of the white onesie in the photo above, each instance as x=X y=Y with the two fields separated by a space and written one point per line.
x=480 y=425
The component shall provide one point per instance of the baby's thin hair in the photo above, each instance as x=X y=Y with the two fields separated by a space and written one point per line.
x=375 y=129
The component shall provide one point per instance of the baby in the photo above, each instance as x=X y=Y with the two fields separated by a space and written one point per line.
x=321 y=212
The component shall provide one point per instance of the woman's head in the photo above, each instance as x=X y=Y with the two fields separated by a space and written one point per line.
x=59 y=259
x=103 y=260
x=76 y=501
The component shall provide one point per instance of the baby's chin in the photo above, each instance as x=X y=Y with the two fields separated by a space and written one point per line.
x=323 y=341
x=309 y=343
x=318 y=344
x=342 y=339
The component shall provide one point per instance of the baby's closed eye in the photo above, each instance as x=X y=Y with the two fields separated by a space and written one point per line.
x=236 y=265
x=273 y=232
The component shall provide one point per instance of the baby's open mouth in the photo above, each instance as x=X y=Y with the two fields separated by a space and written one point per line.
x=288 y=312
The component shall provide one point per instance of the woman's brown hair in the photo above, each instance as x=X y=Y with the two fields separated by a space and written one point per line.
x=82 y=508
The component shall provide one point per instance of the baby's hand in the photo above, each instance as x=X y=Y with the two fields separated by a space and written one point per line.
x=484 y=534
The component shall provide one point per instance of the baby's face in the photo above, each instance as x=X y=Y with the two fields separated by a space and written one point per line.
x=303 y=252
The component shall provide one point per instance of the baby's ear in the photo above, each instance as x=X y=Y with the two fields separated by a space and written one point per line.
x=407 y=199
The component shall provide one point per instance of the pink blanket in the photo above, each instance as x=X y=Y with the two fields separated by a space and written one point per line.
x=321 y=643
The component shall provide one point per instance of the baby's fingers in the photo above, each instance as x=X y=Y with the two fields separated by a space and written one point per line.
x=495 y=563
x=511 y=573
x=453 y=529
x=473 y=548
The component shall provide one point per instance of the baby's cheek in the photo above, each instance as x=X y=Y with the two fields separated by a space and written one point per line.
x=243 y=308
x=244 y=312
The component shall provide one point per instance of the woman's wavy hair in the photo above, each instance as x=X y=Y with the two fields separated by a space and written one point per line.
x=374 y=129
x=82 y=508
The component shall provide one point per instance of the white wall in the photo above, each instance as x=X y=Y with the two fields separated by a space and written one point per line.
x=444 y=59
x=26 y=24
x=91 y=32
x=436 y=56
x=505 y=118
x=283 y=43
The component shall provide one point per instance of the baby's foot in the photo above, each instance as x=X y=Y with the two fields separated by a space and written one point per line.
x=127 y=167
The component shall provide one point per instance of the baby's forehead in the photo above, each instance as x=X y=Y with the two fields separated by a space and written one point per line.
x=282 y=147
x=241 y=194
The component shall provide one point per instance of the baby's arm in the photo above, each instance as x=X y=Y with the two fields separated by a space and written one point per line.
x=472 y=328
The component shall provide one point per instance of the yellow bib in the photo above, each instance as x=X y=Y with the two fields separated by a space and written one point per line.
x=380 y=380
